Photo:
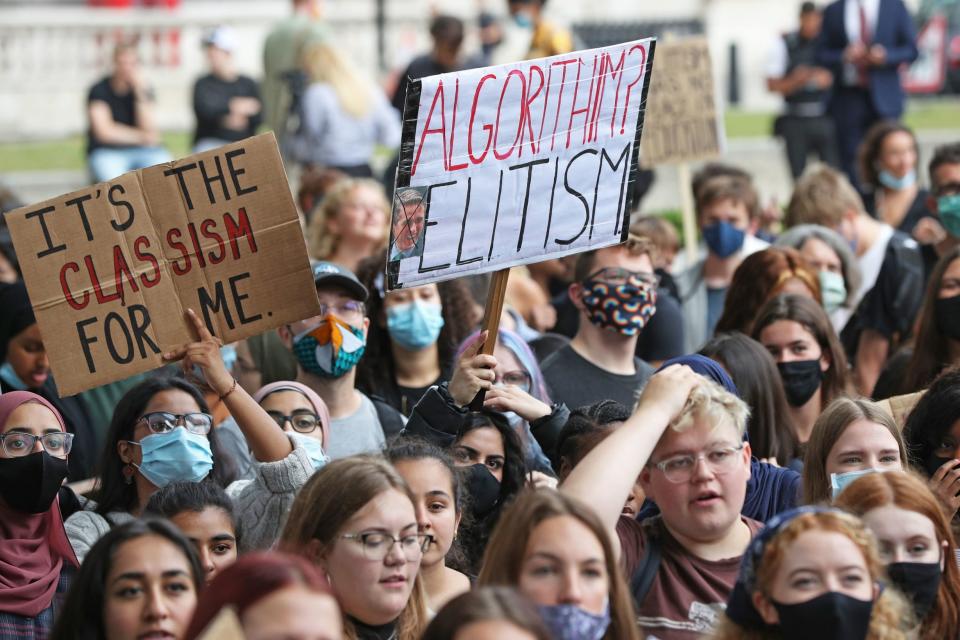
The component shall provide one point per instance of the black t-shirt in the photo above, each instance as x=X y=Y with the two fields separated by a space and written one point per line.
x=420 y=67
x=123 y=108
x=916 y=212
x=211 y=102
x=891 y=306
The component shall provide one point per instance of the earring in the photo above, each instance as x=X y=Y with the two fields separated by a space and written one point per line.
x=127 y=472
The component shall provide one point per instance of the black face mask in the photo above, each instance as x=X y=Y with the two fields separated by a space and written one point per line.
x=29 y=484
x=831 y=616
x=947 y=313
x=801 y=380
x=484 y=490
x=919 y=581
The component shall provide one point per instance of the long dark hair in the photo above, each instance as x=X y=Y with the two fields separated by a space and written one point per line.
x=114 y=494
x=475 y=532
x=872 y=146
x=936 y=411
x=814 y=319
x=931 y=349
x=586 y=428
x=772 y=432
x=376 y=373
x=406 y=448
x=82 y=615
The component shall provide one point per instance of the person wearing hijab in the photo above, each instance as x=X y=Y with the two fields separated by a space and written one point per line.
x=263 y=502
x=770 y=489
x=36 y=560
x=24 y=366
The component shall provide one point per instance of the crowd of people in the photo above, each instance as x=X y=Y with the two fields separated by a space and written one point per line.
x=758 y=439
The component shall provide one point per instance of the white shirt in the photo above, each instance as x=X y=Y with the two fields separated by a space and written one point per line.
x=851 y=17
x=777 y=59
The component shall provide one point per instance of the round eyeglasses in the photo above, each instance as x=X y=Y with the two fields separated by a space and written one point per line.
x=302 y=420
x=678 y=469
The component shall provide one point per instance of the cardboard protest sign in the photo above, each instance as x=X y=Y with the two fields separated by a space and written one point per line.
x=683 y=121
x=517 y=163
x=111 y=269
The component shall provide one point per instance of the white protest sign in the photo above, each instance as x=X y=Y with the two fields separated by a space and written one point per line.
x=517 y=163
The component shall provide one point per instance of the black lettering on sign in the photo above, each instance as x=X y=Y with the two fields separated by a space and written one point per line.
x=219 y=303
x=426 y=226
x=117 y=202
x=51 y=248
x=125 y=337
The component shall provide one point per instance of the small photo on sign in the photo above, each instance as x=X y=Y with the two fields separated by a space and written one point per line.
x=409 y=216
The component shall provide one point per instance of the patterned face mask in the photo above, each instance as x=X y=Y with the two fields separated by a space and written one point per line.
x=624 y=305
x=329 y=349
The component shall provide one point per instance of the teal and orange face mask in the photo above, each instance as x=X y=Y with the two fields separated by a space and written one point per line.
x=329 y=349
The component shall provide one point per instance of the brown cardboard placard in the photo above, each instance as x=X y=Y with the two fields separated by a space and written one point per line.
x=683 y=122
x=111 y=269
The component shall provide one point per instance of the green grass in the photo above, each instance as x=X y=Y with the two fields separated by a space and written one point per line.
x=69 y=153
x=940 y=113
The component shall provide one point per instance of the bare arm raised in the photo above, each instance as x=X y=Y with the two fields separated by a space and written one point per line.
x=604 y=478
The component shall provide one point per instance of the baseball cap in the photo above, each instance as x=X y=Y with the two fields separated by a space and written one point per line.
x=330 y=274
x=222 y=38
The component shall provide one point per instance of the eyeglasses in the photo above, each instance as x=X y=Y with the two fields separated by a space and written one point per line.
x=18 y=445
x=345 y=309
x=302 y=420
x=518 y=378
x=680 y=468
x=617 y=276
x=163 y=422
x=377 y=544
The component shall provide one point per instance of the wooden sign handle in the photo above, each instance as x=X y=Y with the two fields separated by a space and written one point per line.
x=491 y=323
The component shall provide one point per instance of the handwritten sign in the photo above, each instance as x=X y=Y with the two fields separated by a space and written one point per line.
x=110 y=269
x=683 y=122
x=517 y=163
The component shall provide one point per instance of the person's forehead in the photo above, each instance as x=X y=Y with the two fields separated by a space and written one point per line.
x=31 y=415
x=389 y=509
x=946 y=173
x=864 y=434
x=287 y=400
x=785 y=331
x=819 y=550
x=707 y=429
x=819 y=249
x=209 y=522
x=506 y=360
x=891 y=522
x=485 y=440
x=617 y=257
x=328 y=293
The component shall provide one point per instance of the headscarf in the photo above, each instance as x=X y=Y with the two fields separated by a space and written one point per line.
x=706 y=367
x=318 y=404
x=33 y=547
x=17 y=313
x=740 y=607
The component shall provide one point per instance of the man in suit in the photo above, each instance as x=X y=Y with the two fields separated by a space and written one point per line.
x=864 y=42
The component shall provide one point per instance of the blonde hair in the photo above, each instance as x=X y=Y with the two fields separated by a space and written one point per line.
x=890 y=615
x=505 y=552
x=324 y=64
x=822 y=196
x=710 y=400
x=328 y=500
x=322 y=244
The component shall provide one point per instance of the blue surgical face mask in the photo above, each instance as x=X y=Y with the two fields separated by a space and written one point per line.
x=840 y=481
x=8 y=375
x=570 y=622
x=832 y=289
x=891 y=181
x=313 y=448
x=415 y=325
x=948 y=208
x=522 y=19
x=175 y=456
x=723 y=238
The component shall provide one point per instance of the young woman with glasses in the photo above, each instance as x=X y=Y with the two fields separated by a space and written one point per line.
x=162 y=432
x=36 y=561
x=356 y=520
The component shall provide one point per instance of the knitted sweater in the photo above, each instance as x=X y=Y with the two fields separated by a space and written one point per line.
x=261 y=505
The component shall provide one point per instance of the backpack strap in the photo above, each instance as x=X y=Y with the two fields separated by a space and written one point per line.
x=391 y=420
x=642 y=578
